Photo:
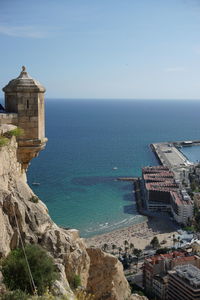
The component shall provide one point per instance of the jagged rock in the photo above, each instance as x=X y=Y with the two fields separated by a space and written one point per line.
x=106 y=278
x=61 y=287
x=101 y=273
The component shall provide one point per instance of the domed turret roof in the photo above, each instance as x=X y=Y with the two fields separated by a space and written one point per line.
x=24 y=83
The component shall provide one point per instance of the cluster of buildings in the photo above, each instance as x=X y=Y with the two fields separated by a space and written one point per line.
x=172 y=276
x=162 y=192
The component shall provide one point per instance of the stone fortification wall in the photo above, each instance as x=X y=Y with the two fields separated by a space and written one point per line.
x=9 y=118
x=25 y=96
x=31 y=115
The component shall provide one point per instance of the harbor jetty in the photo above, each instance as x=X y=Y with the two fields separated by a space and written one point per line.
x=133 y=179
x=165 y=188
x=170 y=156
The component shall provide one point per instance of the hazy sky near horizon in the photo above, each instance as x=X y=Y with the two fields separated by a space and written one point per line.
x=104 y=48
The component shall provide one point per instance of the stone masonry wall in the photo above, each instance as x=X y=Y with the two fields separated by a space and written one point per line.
x=9 y=118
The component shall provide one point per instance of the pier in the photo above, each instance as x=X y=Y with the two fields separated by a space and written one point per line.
x=169 y=156
x=133 y=179
x=171 y=176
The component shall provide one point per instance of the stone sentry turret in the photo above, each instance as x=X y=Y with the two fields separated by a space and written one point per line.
x=24 y=107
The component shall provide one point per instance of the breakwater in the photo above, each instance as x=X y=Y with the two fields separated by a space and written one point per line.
x=133 y=179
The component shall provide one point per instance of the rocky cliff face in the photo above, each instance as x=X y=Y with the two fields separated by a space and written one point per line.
x=106 y=279
x=100 y=273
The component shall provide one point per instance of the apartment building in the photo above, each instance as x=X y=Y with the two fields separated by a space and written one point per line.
x=184 y=283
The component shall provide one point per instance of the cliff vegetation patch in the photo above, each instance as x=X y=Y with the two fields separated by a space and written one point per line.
x=3 y=141
x=15 y=132
x=34 y=199
x=16 y=273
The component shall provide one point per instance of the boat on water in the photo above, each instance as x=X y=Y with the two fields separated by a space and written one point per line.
x=115 y=168
x=35 y=183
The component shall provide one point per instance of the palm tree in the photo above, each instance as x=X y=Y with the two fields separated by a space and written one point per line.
x=137 y=253
x=105 y=247
x=131 y=246
x=126 y=249
x=155 y=242
x=174 y=239
x=178 y=239
x=114 y=247
x=120 y=250
x=126 y=243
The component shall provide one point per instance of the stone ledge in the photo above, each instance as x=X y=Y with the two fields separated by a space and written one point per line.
x=8 y=115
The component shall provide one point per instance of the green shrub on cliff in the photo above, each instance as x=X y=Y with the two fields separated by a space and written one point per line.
x=15 y=295
x=19 y=295
x=34 y=199
x=3 y=141
x=15 y=132
x=16 y=274
x=82 y=295
x=75 y=282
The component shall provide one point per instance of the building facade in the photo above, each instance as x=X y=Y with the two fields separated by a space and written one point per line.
x=155 y=271
x=161 y=192
x=184 y=283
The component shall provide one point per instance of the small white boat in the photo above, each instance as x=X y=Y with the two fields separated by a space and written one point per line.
x=35 y=183
x=115 y=168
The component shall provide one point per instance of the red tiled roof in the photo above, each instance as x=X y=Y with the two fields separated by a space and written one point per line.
x=155 y=169
x=158 y=176
x=177 y=197
x=161 y=186
x=172 y=255
x=186 y=259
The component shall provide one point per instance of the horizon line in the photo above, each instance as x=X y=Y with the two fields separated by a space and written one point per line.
x=116 y=99
x=137 y=99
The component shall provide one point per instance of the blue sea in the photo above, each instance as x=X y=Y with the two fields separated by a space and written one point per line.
x=87 y=139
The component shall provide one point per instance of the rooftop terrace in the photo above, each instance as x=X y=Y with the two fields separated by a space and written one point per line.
x=189 y=273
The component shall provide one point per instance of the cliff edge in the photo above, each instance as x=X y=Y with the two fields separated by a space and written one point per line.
x=21 y=210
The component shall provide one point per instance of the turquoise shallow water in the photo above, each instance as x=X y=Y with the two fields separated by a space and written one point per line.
x=192 y=153
x=87 y=138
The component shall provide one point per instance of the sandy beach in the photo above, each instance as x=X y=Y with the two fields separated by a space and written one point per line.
x=140 y=235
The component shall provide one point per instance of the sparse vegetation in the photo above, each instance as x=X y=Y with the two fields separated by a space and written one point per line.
x=15 y=270
x=19 y=295
x=34 y=199
x=3 y=141
x=82 y=295
x=15 y=295
x=75 y=282
x=15 y=132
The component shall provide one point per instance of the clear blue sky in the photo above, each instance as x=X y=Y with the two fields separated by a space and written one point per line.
x=104 y=48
